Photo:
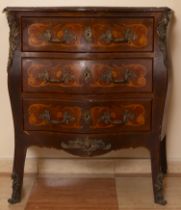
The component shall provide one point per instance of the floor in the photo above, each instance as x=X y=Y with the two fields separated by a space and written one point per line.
x=122 y=192
x=73 y=193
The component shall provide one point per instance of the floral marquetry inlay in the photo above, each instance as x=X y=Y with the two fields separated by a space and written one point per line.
x=57 y=117
x=54 y=75
x=79 y=35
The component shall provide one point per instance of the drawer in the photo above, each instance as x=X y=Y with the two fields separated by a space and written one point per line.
x=87 y=34
x=87 y=116
x=87 y=76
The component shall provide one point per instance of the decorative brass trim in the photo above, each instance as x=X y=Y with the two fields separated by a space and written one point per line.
x=67 y=118
x=127 y=115
x=87 y=145
x=128 y=36
x=16 y=194
x=128 y=75
x=162 y=34
x=88 y=34
x=68 y=36
x=86 y=117
x=13 y=35
x=86 y=76
x=159 y=190
x=45 y=76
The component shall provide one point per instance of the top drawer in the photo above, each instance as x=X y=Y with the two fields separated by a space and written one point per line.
x=87 y=34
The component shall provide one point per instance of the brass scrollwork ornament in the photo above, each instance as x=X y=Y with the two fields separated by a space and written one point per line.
x=16 y=195
x=67 y=118
x=87 y=145
x=13 y=36
x=162 y=33
x=128 y=75
x=65 y=78
x=159 y=190
x=127 y=115
x=68 y=37
x=128 y=36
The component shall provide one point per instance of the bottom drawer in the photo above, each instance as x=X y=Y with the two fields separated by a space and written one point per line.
x=87 y=116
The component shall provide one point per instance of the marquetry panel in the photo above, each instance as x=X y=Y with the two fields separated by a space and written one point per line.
x=85 y=34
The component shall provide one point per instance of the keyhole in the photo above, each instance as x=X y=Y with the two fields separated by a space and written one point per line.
x=88 y=34
x=86 y=75
x=87 y=116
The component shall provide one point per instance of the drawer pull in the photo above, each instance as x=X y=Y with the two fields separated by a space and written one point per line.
x=67 y=118
x=128 y=36
x=67 y=37
x=127 y=115
x=66 y=77
x=88 y=146
x=127 y=76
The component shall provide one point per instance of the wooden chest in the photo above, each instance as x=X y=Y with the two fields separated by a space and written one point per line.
x=88 y=80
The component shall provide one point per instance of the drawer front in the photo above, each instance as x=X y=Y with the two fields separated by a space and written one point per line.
x=87 y=76
x=66 y=116
x=87 y=34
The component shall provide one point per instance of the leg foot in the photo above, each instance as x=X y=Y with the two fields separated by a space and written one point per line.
x=16 y=187
x=157 y=175
x=159 y=198
x=18 y=173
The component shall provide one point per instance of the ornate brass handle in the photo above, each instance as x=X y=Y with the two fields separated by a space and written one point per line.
x=128 y=35
x=66 y=77
x=67 y=118
x=108 y=78
x=127 y=115
x=67 y=37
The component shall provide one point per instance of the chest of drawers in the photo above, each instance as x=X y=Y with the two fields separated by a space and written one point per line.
x=88 y=81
